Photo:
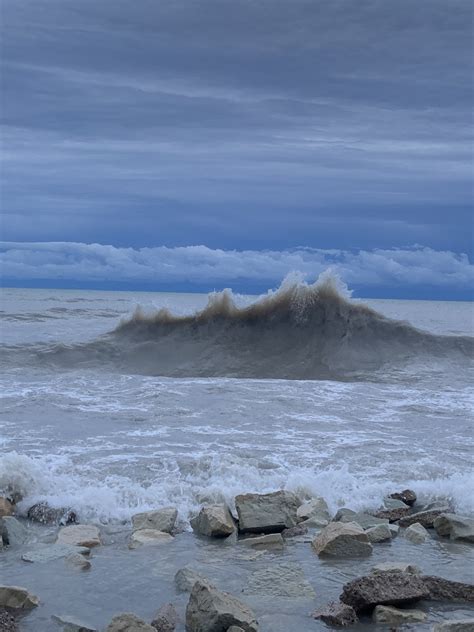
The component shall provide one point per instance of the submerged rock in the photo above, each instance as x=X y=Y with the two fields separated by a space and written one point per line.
x=211 y=610
x=7 y=621
x=441 y=589
x=407 y=496
x=294 y=532
x=78 y=561
x=71 y=624
x=416 y=533
x=316 y=511
x=342 y=540
x=280 y=580
x=17 y=598
x=266 y=513
x=455 y=527
x=270 y=541
x=396 y=567
x=380 y=533
x=364 y=520
x=50 y=552
x=128 y=622
x=186 y=577
x=425 y=518
x=7 y=508
x=45 y=514
x=160 y=519
x=214 y=521
x=455 y=625
x=392 y=515
x=79 y=535
x=166 y=619
x=394 y=503
x=336 y=613
x=12 y=532
x=149 y=537
x=390 y=615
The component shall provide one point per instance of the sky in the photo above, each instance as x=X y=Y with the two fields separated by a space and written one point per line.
x=175 y=144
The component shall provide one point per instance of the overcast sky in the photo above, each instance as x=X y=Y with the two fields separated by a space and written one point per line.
x=238 y=125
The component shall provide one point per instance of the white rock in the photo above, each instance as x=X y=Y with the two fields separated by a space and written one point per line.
x=214 y=521
x=17 y=598
x=161 y=519
x=266 y=513
x=395 y=616
x=79 y=535
x=380 y=533
x=416 y=533
x=149 y=537
x=342 y=539
x=315 y=510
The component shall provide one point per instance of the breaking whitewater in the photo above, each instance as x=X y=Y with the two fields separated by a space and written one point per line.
x=116 y=403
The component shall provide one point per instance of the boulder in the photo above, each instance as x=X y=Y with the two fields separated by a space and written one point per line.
x=78 y=561
x=455 y=527
x=336 y=613
x=407 y=496
x=394 y=530
x=394 y=503
x=386 y=589
x=13 y=533
x=17 y=598
x=186 y=577
x=210 y=610
x=149 y=537
x=129 y=623
x=294 y=532
x=50 y=552
x=366 y=521
x=269 y=541
x=389 y=615
x=286 y=579
x=161 y=519
x=440 y=589
x=315 y=510
x=214 y=521
x=380 y=533
x=425 y=518
x=266 y=513
x=455 y=625
x=392 y=515
x=342 y=540
x=7 y=508
x=79 y=535
x=396 y=567
x=7 y=621
x=166 y=619
x=45 y=514
x=416 y=533
x=71 y=624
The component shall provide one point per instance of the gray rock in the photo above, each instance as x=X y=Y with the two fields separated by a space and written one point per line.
x=128 y=622
x=441 y=589
x=17 y=598
x=395 y=616
x=392 y=515
x=407 y=496
x=394 y=530
x=416 y=533
x=294 y=532
x=166 y=619
x=396 y=567
x=186 y=577
x=280 y=580
x=316 y=510
x=266 y=513
x=425 y=518
x=149 y=537
x=7 y=621
x=161 y=519
x=78 y=561
x=235 y=628
x=79 y=535
x=269 y=541
x=455 y=527
x=366 y=521
x=45 y=514
x=210 y=610
x=71 y=624
x=49 y=552
x=214 y=521
x=386 y=589
x=455 y=625
x=13 y=533
x=336 y=613
x=380 y=533
x=394 y=503
x=342 y=540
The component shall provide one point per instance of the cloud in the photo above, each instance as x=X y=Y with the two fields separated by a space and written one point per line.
x=412 y=268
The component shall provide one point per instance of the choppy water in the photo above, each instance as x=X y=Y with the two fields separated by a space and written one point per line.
x=88 y=419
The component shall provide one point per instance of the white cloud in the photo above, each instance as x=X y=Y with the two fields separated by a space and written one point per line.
x=391 y=268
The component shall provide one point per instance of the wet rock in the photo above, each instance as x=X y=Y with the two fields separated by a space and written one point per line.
x=315 y=510
x=78 y=561
x=7 y=621
x=380 y=533
x=7 y=508
x=394 y=530
x=266 y=513
x=161 y=519
x=395 y=616
x=13 y=533
x=128 y=622
x=396 y=567
x=235 y=628
x=407 y=496
x=394 y=503
x=149 y=537
x=50 y=552
x=392 y=515
x=336 y=613
x=416 y=533
x=71 y=624
x=79 y=535
x=366 y=521
x=425 y=518
x=166 y=619
x=455 y=625
x=440 y=589
x=214 y=521
x=210 y=610
x=45 y=514
x=186 y=577
x=342 y=540
x=17 y=598
x=269 y=541
x=280 y=580
x=386 y=589
x=455 y=527
x=294 y=532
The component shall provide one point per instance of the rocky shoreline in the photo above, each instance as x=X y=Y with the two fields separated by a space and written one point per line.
x=261 y=523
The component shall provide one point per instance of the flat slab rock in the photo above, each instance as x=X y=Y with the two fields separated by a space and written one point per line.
x=425 y=518
x=396 y=567
x=211 y=610
x=280 y=580
x=441 y=589
x=455 y=625
x=149 y=537
x=336 y=613
x=342 y=539
x=129 y=622
x=269 y=541
x=79 y=535
x=390 y=615
x=50 y=552
x=17 y=598
x=364 y=520
x=71 y=624
x=267 y=513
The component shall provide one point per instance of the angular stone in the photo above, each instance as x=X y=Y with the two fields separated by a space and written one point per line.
x=455 y=625
x=214 y=521
x=280 y=580
x=366 y=521
x=161 y=519
x=394 y=529
x=49 y=552
x=395 y=616
x=416 y=533
x=71 y=624
x=7 y=508
x=45 y=514
x=425 y=518
x=128 y=622
x=380 y=533
x=210 y=610
x=269 y=541
x=17 y=598
x=166 y=619
x=186 y=577
x=342 y=540
x=455 y=527
x=441 y=589
x=149 y=537
x=78 y=561
x=396 y=567
x=386 y=589
x=13 y=533
x=394 y=503
x=79 y=535
x=266 y=513
x=336 y=613
x=392 y=515
x=407 y=496
x=294 y=532
x=316 y=510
